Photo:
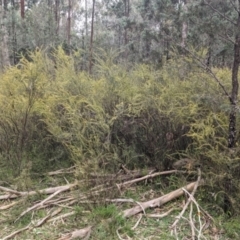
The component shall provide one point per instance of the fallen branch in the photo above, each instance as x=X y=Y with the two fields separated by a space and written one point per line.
x=62 y=216
x=188 y=202
x=4 y=207
x=174 y=225
x=146 y=177
x=160 y=215
x=121 y=177
x=10 y=190
x=62 y=171
x=10 y=236
x=15 y=194
x=158 y=201
x=42 y=202
x=45 y=219
x=201 y=226
x=137 y=223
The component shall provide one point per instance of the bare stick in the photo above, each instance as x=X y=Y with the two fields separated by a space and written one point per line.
x=158 y=201
x=146 y=177
x=234 y=6
x=160 y=215
x=119 y=236
x=174 y=225
x=62 y=171
x=191 y=221
x=16 y=232
x=8 y=206
x=120 y=200
x=43 y=191
x=201 y=226
x=41 y=203
x=10 y=190
x=137 y=223
x=62 y=216
x=209 y=70
x=220 y=14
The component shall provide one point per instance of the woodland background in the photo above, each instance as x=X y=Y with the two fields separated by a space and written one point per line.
x=111 y=83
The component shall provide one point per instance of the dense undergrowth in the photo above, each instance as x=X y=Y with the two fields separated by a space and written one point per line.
x=53 y=116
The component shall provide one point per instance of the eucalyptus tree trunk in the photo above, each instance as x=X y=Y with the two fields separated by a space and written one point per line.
x=235 y=84
x=91 y=38
x=86 y=18
x=57 y=17
x=5 y=61
x=69 y=22
x=127 y=10
x=184 y=25
x=147 y=18
x=22 y=4
x=13 y=33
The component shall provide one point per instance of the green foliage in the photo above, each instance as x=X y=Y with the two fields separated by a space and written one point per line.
x=53 y=115
x=111 y=222
x=232 y=228
x=105 y=212
x=22 y=89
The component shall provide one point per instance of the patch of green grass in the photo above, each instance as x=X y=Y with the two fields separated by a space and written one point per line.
x=104 y=211
x=232 y=228
x=109 y=222
x=106 y=219
x=78 y=210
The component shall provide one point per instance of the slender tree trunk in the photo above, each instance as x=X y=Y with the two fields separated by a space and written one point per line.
x=14 y=37
x=209 y=55
x=147 y=17
x=234 y=94
x=91 y=39
x=22 y=3
x=85 y=37
x=69 y=22
x=4 y=35
x=184 y=25
x=5 y=2
x=127 y=10
x=57 y=18
x=86 y=18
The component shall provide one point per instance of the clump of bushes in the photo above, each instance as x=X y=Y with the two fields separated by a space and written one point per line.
x=53 y=115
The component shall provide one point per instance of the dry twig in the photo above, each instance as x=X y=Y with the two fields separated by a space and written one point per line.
x=41 y=204
x=145 y=177
x=10 y=236
x=174 y=225
x=15 y=194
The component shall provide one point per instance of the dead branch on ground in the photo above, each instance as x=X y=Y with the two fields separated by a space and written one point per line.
x=15 y=194
x=10 y=236
x=93 y=192
x=62 y=171
x=157 y=202
x=146 y=177
x=180 y=216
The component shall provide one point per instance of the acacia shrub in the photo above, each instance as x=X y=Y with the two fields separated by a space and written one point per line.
x=53 y=115
x=25 y=141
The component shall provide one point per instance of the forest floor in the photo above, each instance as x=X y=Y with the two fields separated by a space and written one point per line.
x=133 y=205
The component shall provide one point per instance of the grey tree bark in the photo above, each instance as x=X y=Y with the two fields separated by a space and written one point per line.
x=235 y=85
x=5 y=61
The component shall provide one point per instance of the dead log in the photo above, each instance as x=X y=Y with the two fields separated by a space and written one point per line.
x=157 y=202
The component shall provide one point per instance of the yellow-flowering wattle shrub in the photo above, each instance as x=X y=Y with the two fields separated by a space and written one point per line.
x=53 y=114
